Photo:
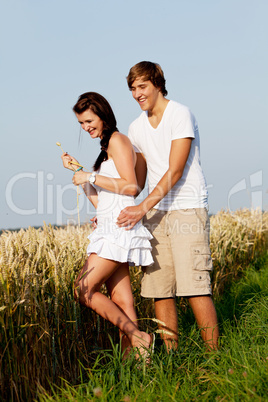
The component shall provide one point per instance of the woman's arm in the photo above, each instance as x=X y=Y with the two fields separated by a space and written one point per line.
x=69 y=162
x=123 y=155
x=91 y=194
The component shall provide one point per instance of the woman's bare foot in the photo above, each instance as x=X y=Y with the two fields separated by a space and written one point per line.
x=142 y=344
x=125 y=346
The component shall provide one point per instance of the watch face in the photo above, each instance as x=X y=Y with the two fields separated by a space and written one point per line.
x=92 y=179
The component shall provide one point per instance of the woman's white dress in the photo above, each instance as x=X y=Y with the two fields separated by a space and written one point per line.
x=110 y=241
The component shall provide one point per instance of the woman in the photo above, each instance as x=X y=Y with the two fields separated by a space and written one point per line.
x=111 y=187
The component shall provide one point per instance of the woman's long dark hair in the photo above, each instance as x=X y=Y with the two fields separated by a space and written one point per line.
x=101 y=107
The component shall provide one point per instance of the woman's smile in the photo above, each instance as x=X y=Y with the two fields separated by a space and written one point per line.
x=91 y=123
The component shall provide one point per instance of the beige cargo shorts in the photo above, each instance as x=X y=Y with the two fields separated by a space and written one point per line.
x=181 y=253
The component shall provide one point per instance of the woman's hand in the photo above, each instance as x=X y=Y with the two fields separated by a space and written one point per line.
x=80 y=177
x=94 y=222
x=67 y=162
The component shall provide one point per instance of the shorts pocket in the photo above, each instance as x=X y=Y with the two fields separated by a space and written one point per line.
x=202 y=216
x=202 y=260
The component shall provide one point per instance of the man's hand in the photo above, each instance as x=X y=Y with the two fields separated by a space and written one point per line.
x=129 y=216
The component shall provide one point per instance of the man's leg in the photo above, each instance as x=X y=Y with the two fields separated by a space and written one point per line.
x=166 y=312
x=159 y=281
x=206 y=318
x=189 y=230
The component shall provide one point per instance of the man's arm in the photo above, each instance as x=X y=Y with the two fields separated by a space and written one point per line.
x=178 y=156
x=141 y=172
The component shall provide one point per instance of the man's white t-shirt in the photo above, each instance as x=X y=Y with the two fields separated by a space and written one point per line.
x=155 y=143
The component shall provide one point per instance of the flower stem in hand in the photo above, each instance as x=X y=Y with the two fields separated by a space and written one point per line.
x=59 y=145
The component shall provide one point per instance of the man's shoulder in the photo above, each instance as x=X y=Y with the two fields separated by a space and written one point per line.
x=177 y=106
x=138 y=121
x=178 y=111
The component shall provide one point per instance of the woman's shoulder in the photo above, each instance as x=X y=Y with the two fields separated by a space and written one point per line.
x=120 y=144
x=119 y=139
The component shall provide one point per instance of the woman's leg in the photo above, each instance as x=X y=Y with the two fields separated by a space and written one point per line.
x=119 y=288
x=95 y=272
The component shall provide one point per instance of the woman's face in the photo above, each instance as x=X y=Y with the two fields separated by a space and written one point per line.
x=91 y=123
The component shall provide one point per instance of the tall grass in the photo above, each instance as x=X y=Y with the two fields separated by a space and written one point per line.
x=45 y=336
x=237 y=239
x=237 y=372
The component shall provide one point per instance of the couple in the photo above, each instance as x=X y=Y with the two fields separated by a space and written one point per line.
x=164 y=141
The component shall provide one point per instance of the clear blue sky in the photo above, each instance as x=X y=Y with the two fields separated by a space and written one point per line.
x=215 y=59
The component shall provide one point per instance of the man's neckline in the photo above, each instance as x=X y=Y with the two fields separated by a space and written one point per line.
x=160 y=122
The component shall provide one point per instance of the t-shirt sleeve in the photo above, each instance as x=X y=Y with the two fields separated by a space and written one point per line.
x=133 y=140
x=183 y=125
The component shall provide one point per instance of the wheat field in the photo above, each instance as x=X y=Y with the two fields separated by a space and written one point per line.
x=46 y=336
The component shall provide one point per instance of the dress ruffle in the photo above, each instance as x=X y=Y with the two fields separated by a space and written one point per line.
x=114 y=243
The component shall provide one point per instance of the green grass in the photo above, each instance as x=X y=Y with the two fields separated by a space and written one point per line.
x=237 y=372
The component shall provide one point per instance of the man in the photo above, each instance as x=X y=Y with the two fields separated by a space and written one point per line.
x=166 y=140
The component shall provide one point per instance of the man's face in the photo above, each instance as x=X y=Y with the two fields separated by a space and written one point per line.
x=145 y=93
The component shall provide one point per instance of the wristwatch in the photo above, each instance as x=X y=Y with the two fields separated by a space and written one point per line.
x=92 y=178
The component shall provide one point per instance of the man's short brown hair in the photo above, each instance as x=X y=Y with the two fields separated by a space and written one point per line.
x=149 y=72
